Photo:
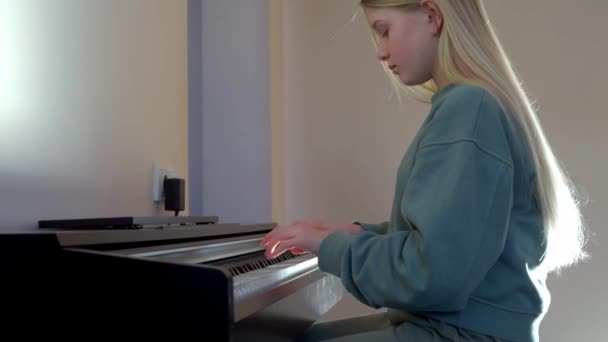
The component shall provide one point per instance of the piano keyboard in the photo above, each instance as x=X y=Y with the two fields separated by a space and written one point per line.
x=259 y=262
x=259 y=288
x=257 y=281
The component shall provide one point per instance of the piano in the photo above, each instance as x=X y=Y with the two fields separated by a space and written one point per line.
x=205 y=282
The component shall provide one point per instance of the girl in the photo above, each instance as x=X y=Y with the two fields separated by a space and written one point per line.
x=482 y=210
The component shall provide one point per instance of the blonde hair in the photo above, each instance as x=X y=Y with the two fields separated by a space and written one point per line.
x=468 y=37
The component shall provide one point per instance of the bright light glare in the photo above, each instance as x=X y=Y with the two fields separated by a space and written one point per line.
x=12 y=59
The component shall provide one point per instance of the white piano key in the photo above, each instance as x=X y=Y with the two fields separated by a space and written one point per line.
x=255 y=282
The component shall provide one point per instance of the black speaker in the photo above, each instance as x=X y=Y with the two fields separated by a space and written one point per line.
x=175 y=194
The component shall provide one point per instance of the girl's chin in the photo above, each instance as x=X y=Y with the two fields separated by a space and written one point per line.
x=411 y=82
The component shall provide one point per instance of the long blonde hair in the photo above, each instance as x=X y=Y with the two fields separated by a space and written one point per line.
x=468 y=37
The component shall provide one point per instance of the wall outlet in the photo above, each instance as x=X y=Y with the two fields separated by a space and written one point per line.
x=158 y=176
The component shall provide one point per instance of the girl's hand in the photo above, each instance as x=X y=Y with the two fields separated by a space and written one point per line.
x=302 y=237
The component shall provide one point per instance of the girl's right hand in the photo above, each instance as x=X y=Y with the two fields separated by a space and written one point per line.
x=349 y=228
x=330 y=228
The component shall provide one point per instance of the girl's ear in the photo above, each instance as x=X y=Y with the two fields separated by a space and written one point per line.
x=433 y=15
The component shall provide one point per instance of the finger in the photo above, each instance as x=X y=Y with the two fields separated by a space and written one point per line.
x=279 y=248
x=272 y=244
x=278 y=236
x=297 y=250
x=272 y=234
x=279 y=233
x=266 y=238
x=286 y=233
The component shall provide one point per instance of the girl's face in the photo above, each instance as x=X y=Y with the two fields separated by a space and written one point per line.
x=407 y=41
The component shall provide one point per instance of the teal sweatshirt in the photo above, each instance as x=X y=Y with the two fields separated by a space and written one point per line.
x=465 y=235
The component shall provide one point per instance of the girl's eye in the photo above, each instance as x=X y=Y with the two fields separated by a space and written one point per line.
x=385 y=34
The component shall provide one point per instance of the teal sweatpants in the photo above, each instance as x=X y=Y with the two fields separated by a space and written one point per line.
x=391 y=326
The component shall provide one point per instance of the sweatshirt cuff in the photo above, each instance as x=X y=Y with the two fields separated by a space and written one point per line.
x=373 y=228
x=331 y=252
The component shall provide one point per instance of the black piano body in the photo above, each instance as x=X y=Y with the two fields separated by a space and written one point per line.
x=205 y=283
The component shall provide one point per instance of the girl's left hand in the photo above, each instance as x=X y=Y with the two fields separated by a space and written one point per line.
x=298 y=238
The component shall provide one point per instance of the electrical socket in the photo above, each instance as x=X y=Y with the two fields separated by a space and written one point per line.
x=158 y=176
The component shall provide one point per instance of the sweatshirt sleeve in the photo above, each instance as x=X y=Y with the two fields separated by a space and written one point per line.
x=380 y=228
x=458 y=201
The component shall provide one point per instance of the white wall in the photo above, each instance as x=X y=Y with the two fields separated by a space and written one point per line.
x=344 y=139
x=92 y=92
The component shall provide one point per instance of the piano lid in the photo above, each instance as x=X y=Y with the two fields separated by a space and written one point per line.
x=149 y=236
x=130 y=222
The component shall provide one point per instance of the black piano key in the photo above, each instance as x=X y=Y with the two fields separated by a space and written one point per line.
x=257 y=262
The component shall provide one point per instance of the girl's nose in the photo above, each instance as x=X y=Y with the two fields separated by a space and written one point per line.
x=383 y=54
